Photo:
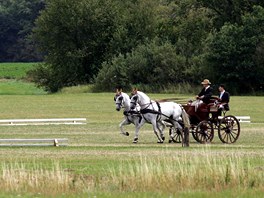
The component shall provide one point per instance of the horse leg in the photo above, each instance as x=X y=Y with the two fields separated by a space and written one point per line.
x=124 y=122
x=177 y=126
x=156 y=130
x=170 y=137
x=139 y=122
x=161 y=126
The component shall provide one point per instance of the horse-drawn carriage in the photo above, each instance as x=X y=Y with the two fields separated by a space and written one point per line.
x=205 y=120
x=201 y=119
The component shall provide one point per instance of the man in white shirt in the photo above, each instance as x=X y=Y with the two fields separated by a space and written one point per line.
x=224 y=98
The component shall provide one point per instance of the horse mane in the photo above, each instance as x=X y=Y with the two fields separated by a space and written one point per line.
x=125 y=95
x=142 y=94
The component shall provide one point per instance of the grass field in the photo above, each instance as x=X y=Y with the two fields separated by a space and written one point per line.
x=15 y=70
x=12 y=80
x=99 y=162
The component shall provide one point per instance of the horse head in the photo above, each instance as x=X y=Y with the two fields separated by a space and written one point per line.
x=133 y=101
x=138 y=97
x=118 y=99
x=122 y=100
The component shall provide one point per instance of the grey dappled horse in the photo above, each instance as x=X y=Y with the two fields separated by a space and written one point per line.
x=131 y=116
x=154 y=112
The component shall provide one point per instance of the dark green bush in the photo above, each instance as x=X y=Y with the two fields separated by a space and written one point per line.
x=154 y=65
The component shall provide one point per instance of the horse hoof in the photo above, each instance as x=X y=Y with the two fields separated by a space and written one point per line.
x=163 y=138
x=170 y=141
x=160 y=142
x=127 y=134
x=135 y=140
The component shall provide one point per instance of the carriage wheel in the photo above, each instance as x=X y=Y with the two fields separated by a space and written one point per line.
x=229 y=129
x=194 y=134
x=178 y=135
x=204 y=132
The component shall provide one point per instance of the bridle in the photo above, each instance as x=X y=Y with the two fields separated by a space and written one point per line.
x=135 y=101
x=120 y=99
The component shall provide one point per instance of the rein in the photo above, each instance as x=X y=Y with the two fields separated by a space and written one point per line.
x=146 y=110
x=159 y=113
x=135 y=103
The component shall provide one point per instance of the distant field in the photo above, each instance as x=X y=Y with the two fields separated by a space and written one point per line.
x=14 y=70
x=12 y=80
x=18 y=87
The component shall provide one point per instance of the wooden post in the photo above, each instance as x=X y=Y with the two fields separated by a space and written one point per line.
x=185 y=140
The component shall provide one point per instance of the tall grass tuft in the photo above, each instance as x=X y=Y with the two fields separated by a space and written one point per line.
x=18 y=178
x=179 y=173
x=163 y=173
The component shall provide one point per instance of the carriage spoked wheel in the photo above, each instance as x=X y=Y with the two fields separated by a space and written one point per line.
x=177 y=135
x=229 y=129
x=204 y=132
x=193 y=131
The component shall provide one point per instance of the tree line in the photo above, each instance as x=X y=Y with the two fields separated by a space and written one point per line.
x=147 y=43
x=16 y=23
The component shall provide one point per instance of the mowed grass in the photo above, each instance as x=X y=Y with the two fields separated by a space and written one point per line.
x=19 y=87
x=100 y=162
x=12 y=79
x=15 y=70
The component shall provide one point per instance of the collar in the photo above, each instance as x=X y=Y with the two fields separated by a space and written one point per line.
x=207 y=87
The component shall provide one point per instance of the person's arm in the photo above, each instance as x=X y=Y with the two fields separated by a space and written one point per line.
x=225 y=98
x=200 y=94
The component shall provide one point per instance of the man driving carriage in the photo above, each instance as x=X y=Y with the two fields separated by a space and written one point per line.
x=206 y=93
x=203 y=98
x=206 y=103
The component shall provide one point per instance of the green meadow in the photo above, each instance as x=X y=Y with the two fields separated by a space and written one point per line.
x=15 y=70
x=12 y=79
x=100 y=162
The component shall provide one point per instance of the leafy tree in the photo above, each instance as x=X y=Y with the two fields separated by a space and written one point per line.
x=75 y=36
x=230 y=11
x=186 y=24
x=150 y=42
x=78 y=36
x=138 y=23
x=17 y=20
x=233 y=51
x=154 y=64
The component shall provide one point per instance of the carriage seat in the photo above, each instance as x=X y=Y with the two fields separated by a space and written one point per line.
x=203 y=107
x=211 y=107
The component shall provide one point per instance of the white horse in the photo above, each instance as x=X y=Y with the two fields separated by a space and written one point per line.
x=154 y=112
x=131 y=116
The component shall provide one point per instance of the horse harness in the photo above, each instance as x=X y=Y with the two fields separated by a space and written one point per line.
x=132 y=113
x=159 y=113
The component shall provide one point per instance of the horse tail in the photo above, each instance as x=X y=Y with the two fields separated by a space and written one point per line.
x=185 y=118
